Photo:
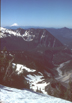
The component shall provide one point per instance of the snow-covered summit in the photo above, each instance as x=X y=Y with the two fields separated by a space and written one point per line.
x=12 y=95
x=15 y=24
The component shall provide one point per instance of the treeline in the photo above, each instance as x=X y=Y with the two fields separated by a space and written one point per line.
x=8 y=75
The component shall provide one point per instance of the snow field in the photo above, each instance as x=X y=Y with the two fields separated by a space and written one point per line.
x=37 y=82
x=12 y=95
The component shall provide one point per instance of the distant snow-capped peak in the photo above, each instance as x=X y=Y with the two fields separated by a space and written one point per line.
x=15 y=24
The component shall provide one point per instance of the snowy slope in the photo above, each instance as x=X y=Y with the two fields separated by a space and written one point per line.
x=36 y=80
x=7 y=32
x=12 y=95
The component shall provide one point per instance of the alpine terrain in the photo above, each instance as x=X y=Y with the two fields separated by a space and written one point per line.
x=34 y=62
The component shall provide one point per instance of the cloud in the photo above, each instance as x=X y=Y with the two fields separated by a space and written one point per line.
x=15 y=24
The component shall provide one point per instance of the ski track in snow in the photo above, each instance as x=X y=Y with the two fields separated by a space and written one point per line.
x=12 y=95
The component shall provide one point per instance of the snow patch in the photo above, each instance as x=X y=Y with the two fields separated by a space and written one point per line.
x=20 y=68
x=42 y=36
x=27 y=36
x=37 y=83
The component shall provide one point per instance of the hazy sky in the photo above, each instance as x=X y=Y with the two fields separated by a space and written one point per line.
x=46 y=13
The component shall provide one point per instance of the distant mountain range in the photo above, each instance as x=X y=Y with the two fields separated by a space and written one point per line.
x=35 y=27
x=63 y=34
x=23 y=27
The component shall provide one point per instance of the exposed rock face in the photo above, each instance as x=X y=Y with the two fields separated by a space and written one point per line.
x=35 y=40
x=27 y=39
x=42 y=37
